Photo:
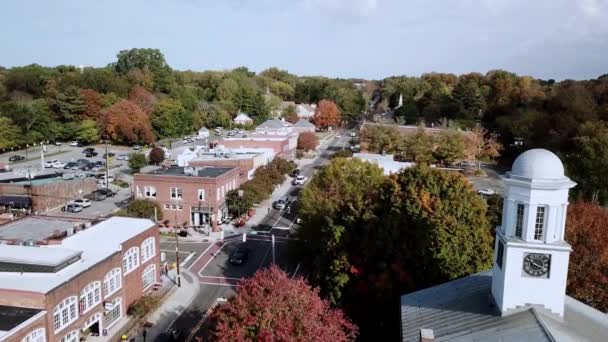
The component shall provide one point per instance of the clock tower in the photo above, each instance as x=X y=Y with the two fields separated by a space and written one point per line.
x=531 y=256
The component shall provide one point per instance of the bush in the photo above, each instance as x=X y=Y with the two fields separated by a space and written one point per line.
x=157 y=155
x=141 y=208
x=342 y=154
x=143 y=306
x=307 y=141
x=137 y=161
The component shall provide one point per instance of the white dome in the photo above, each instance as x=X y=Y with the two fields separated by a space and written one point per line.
x=538 y=164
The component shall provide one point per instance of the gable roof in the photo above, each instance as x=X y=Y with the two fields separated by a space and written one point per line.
x=307 y=107
x=303 y=123
x=274 y=124
x=242 y=117
x=463 y=310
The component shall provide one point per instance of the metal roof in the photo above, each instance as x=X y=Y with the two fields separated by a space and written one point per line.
x=274 y=123
x=37 y=228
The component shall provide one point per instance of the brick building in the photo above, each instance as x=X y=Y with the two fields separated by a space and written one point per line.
x=189 y=196
x=82 y=284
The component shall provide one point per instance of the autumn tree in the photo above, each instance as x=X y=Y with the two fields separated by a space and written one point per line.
x=290 y=114
x=380 y=139
x=92 y=103
x=157 y=155
x=143 y=98
x=307 y=141
x=270 y=306
x=171 y=119
x=327 y=115
x=586 y=231
x=449 y=146
x=126 y=122
x=481 y=144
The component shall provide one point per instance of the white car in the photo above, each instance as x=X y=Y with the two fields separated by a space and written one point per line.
x=57 y=143
x=50 y=163
x=102 y=180
x=299 y=180
x=74 y=143
x=338 y=136
x=58 y=164
x=487 y=192
x=83 y=202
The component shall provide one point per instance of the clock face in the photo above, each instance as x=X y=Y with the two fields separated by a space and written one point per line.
x=536 y=264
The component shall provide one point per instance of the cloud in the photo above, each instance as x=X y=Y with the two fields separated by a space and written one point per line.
x=352 y=7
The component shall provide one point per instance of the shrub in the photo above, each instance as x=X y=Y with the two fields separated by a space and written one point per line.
x=307 y=141
x=137 y=161
x=143 y=306
x=342 y=154
x=141 y=208
x=157 y=155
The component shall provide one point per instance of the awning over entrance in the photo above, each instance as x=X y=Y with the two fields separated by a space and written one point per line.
x=17 y=202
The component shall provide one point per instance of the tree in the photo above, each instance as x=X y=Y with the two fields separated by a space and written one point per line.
x=480 y=144
x=380 y=139
x=151 y=60
x=270 y=306
x=137 y=161
x=418 y=147
x=143 y=98
x=327 y=115
x=170 y=119
x=157 y=155
x=142 y=208
x=588 y=160
x=307 y=141
x=10 y=134
x=143 y=306
x=126 y=122
x=342 y=154
x=87 y=132
x=92 y=103
x=450 y=146
x=69 y=105
x=586 y=231
x=290 y=114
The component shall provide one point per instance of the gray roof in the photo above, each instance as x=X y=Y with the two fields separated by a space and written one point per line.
x=35 y=228
x=463 y=310
x=275 y=124
x=207 y=171
x=35 y=255
x=12 y=316
x=303 y=123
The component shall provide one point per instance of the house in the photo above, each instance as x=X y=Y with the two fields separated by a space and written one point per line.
x=282 y=106
x=243 y=119
x=523 y=297
x=189 y=196
x=275 y=127
x=203 y=133
x=84 y=279
x=306 y=111
x=304 y=126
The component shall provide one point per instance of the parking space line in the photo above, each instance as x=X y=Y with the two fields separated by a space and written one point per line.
x=296 y=270
x=202 y=255
x=200 y=272
x=217 y=284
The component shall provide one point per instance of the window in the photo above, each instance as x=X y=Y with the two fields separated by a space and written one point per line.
x=201 y=194
x=130 y=261
x=150 y=191
x=37 y=335
x=138 y=191
x=65 y=313
x=176 y=193
x=519 y=220
x=540 y=223
x=499 y=254
x=167 y=206
x=180 y=207
x=113 y=315
x=148 y=249
x=92 y=320
x=173 y=207
x=148 y=276
x=72 y=336
x=112 y=282
x=90 y=296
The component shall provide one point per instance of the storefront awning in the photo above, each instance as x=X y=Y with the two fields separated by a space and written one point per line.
x=17 y=202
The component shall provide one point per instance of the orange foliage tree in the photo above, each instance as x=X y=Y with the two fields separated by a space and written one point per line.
x=327 y=114
x=143 y=98
x=307 y=141
x=480 y=144
x=92 y=103
x=126 y=122
x=588 y=272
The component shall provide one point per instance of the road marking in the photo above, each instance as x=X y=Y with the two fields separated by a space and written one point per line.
x=202 y=254
x=264 y=258
x=187 y=259
x=208 y=261
x=296 y=270
x=281 y=228
x=231 y=278
x=216 y=284
x=200 y=323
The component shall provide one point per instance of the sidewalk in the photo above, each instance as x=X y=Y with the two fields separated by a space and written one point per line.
x=176 y=301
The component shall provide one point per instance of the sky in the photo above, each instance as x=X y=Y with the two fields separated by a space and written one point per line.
x=370 y=39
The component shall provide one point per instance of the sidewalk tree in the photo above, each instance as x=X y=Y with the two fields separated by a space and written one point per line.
x=290 y=114
x=586 y=231
x=137 y=161
x=142 y=208
x=307 y=141
x=449 y=146
x=327 y=115
x=157 y=155
x=143 y=306
x=270 y=306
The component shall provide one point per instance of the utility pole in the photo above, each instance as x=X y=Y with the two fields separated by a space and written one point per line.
x=179 y=283
x=273 y=259
x=107 y=166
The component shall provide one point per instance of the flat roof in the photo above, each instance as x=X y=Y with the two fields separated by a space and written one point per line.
x=36 y=228
x=12 y=316
x=205 y=171
x=97 y=243
x=35 y=255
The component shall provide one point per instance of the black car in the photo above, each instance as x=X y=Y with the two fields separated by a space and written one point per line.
x=15 y=158
x=239 y=256
x=88 y=149
x=295 y=173
x=87 y=167
x=107 y=192
x=108 y=155
x=95 y=196
x=91 y=154
x=262 y=228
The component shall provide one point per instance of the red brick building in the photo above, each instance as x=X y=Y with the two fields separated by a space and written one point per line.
x=189 y=196
x=82 y=285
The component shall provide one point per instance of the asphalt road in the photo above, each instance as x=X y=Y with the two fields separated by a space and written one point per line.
x=218 y=277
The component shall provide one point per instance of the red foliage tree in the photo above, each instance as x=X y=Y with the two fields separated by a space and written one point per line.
x=272 y=307
x=586 y=232
x=157 y=155
x=307 y=141
x=143 y=98
x=327 y=114
x=92 y=103
x=124 y=121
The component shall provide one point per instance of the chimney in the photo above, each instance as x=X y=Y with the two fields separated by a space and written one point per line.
x=427 y=335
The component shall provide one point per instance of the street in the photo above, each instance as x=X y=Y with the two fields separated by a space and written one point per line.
x=209 y=261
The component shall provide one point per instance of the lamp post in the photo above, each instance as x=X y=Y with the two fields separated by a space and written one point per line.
x=26 y=148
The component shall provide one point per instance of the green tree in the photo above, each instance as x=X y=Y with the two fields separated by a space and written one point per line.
x=137 y=161
x=380 y=139
x=171 y=119
x=69 y=105
x=87 y=132
x=142 y=208
x=589 y=160
x=10 y=134
x=146 y=60
x=450 y=146
x=418 y=147
x=290 y=115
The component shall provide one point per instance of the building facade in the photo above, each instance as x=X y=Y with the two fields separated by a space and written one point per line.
x=189 y=196
x=82 y=285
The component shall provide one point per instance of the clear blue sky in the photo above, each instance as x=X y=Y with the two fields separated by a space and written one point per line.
x=338 y=38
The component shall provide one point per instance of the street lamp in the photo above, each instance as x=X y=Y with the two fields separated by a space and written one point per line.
x=26 y=147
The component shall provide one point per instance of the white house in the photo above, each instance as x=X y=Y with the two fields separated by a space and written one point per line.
x=203 y=133
x=306 y=111
x=243 y=119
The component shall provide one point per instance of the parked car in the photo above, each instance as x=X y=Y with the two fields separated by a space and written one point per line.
x=83 y=161
x=15 y=158
x=122 y=156
x=58 y=143
x=295 y=173
x=50 y=163
x=91 y=154
x=137 y=147
x=239 y=256
x=96 y=168
x=108 y=155
x=85 y=203
x=102 y=180
x=71 y=166
x=96 y=196
x=299 y=180
x=75 y=144
x=72 y=208
x=59 y=164
x=487 y=192
x=88 y=149
x=106 y=192
x=280 y=204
